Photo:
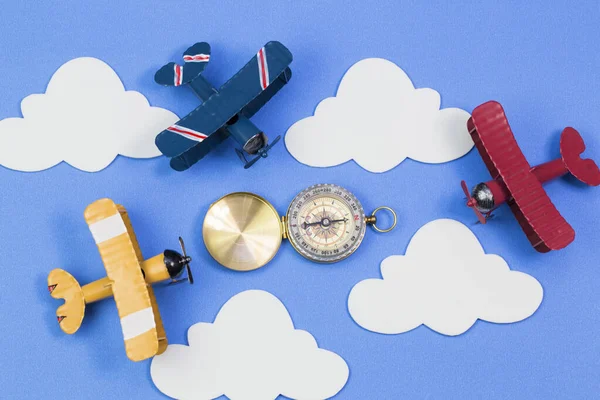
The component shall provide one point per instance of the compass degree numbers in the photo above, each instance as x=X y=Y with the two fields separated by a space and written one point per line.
x=326 y=223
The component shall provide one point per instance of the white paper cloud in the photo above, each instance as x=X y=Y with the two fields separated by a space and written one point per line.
x=446 y=282
x=250 y=352
x=85 y=118
x=379 y=119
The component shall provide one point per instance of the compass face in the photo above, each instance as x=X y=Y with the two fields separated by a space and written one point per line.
x=325 y=223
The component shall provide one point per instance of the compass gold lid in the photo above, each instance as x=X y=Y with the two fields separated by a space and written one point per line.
x=242 y=231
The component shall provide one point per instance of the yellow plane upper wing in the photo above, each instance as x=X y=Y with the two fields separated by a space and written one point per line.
x=160 y=329
x=129 y=288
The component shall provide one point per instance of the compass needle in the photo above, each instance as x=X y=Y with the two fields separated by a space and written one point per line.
x=323 y=233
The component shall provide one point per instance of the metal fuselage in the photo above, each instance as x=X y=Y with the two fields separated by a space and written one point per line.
x=154 y=272
x=243 y=131
x=544 y=173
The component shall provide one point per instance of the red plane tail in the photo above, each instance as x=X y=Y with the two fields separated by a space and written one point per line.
x=571 y=147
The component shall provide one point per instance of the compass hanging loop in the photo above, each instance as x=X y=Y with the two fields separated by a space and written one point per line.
x=372 y=219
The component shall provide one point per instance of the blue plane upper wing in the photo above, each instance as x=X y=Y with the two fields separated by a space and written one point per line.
x=263 y=98
x=181 y=136
x=255 y=77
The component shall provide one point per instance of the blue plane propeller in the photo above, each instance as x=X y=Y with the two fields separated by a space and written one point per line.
x=225 y=112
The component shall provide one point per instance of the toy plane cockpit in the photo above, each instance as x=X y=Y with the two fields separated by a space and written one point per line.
x=225 y=112
x=129 y=279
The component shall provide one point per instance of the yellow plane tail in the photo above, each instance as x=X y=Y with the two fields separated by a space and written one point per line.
x=62 y=285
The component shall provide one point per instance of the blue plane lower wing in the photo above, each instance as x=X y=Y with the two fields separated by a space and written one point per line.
x=253 y=79
x=196 y=153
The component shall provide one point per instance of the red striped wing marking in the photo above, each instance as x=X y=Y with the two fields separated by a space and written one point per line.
x=196 y=58
x=187 y=133
x=263 y=68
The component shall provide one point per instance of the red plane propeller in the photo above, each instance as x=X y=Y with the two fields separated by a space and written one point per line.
x=471 y=203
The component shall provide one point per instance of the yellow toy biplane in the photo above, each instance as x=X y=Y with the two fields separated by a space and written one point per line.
x=128 y=280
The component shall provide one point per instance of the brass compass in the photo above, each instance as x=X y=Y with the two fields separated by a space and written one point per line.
x=324 y=223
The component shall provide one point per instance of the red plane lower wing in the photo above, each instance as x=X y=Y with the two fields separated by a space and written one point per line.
x=545 y=228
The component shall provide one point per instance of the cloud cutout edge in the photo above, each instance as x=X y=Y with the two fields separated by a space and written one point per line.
x=378 y=119
x=417 y=289
x=85 y=118
x=282 y=360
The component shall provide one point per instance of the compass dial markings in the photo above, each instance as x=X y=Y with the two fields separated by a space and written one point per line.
x=320 y=225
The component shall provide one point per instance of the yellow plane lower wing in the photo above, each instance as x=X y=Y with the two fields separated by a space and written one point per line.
x=129 y=288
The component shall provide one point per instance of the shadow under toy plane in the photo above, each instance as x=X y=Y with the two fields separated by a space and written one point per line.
x=225 y=112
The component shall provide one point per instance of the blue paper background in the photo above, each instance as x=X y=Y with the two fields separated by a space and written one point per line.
x=540 y=60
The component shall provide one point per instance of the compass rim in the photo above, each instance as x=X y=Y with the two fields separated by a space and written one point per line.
x=326 y=259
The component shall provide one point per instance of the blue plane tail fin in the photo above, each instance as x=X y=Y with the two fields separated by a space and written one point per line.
x=196 y=58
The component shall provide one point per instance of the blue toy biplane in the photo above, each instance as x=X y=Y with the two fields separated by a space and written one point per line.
x=225 y=112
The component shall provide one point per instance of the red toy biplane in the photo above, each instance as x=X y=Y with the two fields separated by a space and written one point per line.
x=518 y=184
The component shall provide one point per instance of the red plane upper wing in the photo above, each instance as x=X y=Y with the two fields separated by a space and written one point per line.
x=545 y=228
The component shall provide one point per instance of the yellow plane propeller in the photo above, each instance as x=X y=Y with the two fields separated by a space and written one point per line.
x=128 y=280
